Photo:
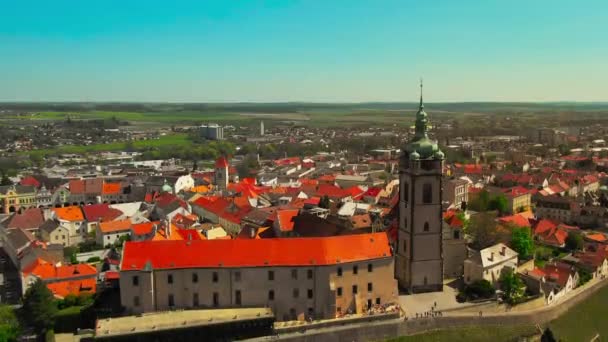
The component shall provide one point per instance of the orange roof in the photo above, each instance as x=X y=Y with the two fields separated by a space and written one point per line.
x=255 y=252
x=201 y=188
x=71 y=213
x=285 y=219
x=599 y=237
x=111 y=188
x=143 y=228
x=115 y=226
x=75 y=287
x=46 y=270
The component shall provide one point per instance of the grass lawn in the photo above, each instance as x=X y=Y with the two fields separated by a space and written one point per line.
x=472 y=334
x=584 y=321
x=166 y=140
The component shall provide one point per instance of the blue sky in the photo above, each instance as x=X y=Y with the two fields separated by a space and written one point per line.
x=326 y=50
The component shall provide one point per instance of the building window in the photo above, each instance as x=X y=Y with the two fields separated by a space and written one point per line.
x=427 y=193
x=309 y=294
x=271 y=295
x=370 y=268
x=216 y=299
x=339 y=292
x=135 y=280
x=195 y=277
x=369 y=303
x=294 y=273
x=296 y=293
x=169 y=278
x=426 y=226
x=309 y=274
x=214 y=277
x=292 y=313
x=136 y=301
x=195 y=299
x=171 y=300
x=457 y=234
x=355 y=289
x=406 y=192
x=378 y=301
x=270 y=275
x=355 y=269
x=370 y=287
x=404 y=246
x=339 y=271
x=237 y=297
x=237 y=276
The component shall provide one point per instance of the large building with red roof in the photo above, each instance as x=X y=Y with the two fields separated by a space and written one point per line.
x=62 y=280
x=296 y=277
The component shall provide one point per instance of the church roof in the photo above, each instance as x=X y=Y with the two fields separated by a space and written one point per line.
x=421 y=146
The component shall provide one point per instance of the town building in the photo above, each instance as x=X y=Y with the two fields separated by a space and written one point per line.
x=14 y=198
x=295 y=277
x=456 y=193
x=419 y=256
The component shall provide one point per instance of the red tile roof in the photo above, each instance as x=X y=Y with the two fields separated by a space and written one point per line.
x=517 y=220
x=516 y=191
x=100 y=212
x=288 y=161
x=255 y=252
x=597 y=237
x=29 y=219
x=30 y=181
x=47 y=271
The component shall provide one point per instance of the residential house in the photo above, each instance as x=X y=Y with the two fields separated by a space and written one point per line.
x=109 y=232
x=489 y=263
x=554 y=280
x=62 y=280
x=73 y=220
x=52 y=232
x=284 y=222
x=557 y=208
x=28 y=219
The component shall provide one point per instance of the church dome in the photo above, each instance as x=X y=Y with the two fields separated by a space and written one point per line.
x=439 y=155
x=414 y=156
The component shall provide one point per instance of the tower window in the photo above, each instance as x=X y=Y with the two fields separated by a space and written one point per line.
x=406 y=192
x=427 y=193
x=426 y=226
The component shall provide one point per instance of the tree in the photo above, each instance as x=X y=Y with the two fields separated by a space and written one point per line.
x=4 y=180
x=547 y=336
x=583 y=276
x=574 y=241
x=9 y=325
x=482 y=230
x=40 y=307
x=480 y=289
x=513 y=287
x=324 y=202
x=522 y=241
x=500 y=203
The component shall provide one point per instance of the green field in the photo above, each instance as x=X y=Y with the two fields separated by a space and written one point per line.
x=472 y=334
x=166 y=140
x=584 y=321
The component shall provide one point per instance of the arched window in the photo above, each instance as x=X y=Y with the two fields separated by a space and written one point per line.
x=427 y=193
x=426 y=226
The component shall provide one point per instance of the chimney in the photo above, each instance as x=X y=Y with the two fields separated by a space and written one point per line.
x=503 y=251
x=252 y=232
x=492 y=256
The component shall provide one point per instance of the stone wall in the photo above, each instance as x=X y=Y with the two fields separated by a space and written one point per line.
x=382 y=330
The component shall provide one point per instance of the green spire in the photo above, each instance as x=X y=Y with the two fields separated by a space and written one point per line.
x=421 y=120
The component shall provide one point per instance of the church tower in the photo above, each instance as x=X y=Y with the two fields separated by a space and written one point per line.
x=221 y=173
x=419 y=255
